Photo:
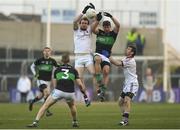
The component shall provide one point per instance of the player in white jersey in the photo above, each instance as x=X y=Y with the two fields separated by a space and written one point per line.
x=82 y=44
x=131 y=85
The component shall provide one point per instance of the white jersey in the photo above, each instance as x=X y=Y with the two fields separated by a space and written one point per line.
x=129 y=68
x=82 y=41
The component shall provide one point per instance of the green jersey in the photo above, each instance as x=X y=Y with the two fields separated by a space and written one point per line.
x=105 y=42
x=44 y=68
x=66 y=75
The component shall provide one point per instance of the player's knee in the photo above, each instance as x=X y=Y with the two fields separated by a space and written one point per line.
x=105 y=71
x=46 y=93
x=73 y=108
x=92 y=72
x=120 y=101
x=97 y=59
x=127 y=100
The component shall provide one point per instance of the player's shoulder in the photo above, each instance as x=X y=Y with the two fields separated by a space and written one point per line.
x=40 y=58
x=129 y=60
x=37 y=60
x=113 y=33
x=133 y=59
x=68 y=66
x=54 y=61
x=51 y=58
x=100 y=32
x=77 y=29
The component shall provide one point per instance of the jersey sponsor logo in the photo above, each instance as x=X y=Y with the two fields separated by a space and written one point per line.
x=45 y=67
x=105 y=40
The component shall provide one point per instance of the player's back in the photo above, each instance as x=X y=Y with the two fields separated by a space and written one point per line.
x=65 y=75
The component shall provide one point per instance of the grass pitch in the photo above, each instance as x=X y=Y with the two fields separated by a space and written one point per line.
x=98 y=116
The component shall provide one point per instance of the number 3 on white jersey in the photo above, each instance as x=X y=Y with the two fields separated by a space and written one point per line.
x=66 y=75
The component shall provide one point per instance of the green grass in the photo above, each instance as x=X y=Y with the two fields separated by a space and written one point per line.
x=97 y=116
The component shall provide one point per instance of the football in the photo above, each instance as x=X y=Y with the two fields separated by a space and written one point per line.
x=91 y=13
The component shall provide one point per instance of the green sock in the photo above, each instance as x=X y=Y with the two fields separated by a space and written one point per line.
x=102 y=87
x=98 y=78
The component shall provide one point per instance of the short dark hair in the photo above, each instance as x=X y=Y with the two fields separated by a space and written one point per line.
x=85 y=19
x=65 y=57
x=47 y=48
x=133 y=47
x=106 y=23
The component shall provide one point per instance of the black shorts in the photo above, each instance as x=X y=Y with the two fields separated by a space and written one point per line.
x=129 y=94
x=103 y=63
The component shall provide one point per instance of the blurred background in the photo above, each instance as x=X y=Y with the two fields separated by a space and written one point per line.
x=26 y=26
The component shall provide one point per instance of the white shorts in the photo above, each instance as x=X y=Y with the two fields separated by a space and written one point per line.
x=83 y=60
x=102 y=57
x=58 y=95
x=131 y=87
x=40 y=82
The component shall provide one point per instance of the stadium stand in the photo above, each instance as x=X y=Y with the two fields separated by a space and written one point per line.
x=19 y=53
x=2 y=53
x=5 y=18
x=20 y=17
x=26 y=17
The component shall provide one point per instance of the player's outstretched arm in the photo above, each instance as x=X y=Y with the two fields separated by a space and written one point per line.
x=95 y=24
x=83 y=90
x=78 y=18
x=115 y=62
x=115 y=21
x=33 y=70
x=117 y=25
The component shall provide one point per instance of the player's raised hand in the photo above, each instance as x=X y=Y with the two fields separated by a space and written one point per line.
x=107 y=14
x=92 y=6
x=99 y=16
x=86 y=8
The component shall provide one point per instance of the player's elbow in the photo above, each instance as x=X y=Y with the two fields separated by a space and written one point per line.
x=118 y=27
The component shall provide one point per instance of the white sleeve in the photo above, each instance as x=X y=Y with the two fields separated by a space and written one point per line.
x=33 y=69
